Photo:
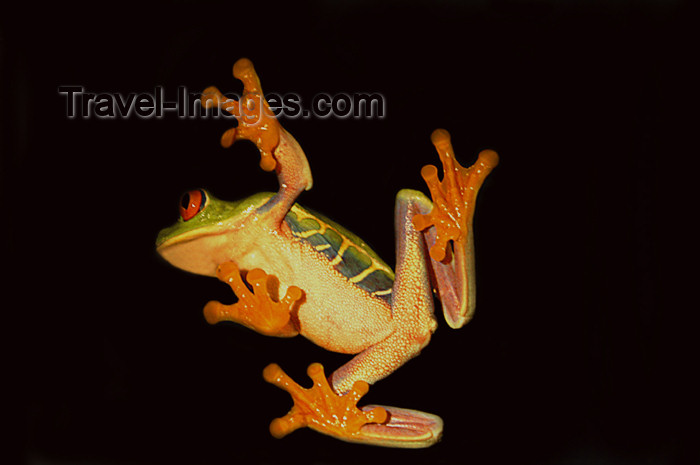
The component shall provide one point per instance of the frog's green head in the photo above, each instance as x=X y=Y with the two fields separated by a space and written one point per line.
x=202 y=234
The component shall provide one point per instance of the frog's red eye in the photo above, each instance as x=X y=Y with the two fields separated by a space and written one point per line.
x=192 y=203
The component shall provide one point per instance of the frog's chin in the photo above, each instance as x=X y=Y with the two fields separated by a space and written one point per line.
x=200 y=256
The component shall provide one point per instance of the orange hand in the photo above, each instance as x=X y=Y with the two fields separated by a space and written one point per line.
x=453 y=197
x=256 y=122
x=255 y=309
x=320 y=408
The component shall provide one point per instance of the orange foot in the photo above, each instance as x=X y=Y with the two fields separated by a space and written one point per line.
x=453 y=197
x=256 y=122
x=320 y=408
x=255 y=309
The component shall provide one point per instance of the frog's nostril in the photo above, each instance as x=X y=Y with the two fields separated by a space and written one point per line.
x=191 y=203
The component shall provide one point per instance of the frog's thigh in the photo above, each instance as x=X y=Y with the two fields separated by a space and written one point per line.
x=412 y=298
x=412 y=302
x=453 y=281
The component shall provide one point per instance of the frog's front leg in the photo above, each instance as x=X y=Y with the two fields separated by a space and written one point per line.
x=255 y=308
x=279 y=151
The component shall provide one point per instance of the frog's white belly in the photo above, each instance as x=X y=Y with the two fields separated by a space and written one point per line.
x=336 y=314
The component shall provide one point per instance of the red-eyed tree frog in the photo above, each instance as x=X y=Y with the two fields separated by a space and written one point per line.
x=334 y=290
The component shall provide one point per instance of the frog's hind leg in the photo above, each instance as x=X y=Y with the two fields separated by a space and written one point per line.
x=413 y=323
x=412 y=317
x=447 y=225
x=321 y=409
x=423 y=259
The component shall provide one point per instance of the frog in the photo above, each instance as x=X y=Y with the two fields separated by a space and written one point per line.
x=297 y=272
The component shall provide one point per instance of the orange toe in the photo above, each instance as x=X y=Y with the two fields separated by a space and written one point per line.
x=454 y=197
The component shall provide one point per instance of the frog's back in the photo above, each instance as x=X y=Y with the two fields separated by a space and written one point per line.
x=346 y=252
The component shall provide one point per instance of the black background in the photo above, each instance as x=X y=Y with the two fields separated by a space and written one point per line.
x=576 y=352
